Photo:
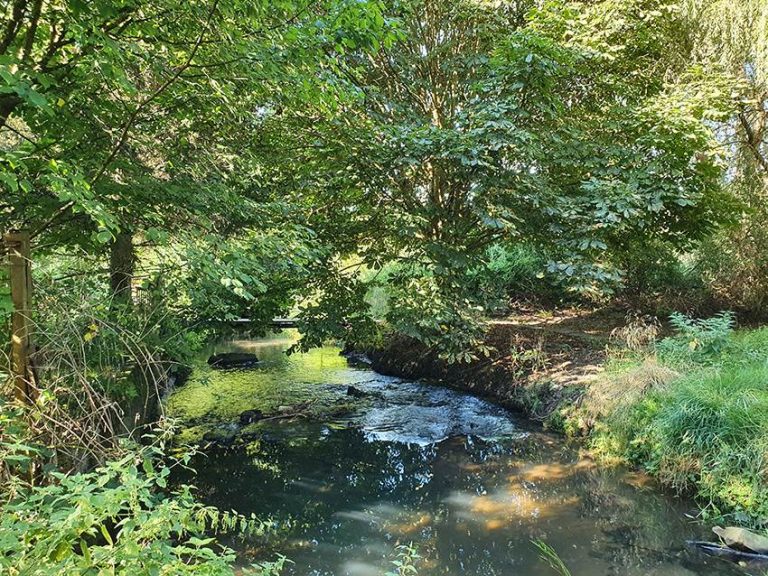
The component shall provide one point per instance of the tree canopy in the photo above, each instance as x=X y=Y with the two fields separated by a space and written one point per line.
x=246 y=156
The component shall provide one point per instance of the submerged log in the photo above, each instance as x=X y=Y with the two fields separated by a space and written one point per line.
x=721 y=551
x=228 y=360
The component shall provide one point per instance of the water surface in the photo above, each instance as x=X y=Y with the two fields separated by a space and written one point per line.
x=466 y=481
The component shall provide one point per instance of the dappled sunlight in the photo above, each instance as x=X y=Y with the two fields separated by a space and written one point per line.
x=508 y=507
x=550 y=472
x=412 y=524
x=358 y=287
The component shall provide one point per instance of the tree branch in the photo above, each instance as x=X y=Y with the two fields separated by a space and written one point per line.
x=128 y=124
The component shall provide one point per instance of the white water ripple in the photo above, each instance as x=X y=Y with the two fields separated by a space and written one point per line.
x=421 y=414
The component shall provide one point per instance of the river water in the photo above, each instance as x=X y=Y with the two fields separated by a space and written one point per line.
x=468 y=483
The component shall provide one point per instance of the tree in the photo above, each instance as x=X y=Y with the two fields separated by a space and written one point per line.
x=483 y=122
x=129 y=123
x=731 y=38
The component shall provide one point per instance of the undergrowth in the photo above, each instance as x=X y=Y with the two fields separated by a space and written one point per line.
x=696 y=416
x=123 y=518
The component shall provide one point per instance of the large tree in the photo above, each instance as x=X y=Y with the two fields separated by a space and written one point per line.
x=138 y=122
x=485 y=121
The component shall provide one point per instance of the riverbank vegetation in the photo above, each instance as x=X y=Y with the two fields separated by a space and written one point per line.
x=694 y=414
x=409 y=170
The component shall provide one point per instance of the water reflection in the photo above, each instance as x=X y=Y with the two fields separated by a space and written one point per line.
x=458 y=476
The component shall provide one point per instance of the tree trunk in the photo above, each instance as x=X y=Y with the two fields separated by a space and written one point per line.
x=122 y=261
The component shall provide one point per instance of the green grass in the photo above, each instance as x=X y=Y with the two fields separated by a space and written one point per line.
x=705 y=432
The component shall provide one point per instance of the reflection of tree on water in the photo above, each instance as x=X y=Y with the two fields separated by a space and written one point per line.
x=311 y=471
x=472 y=506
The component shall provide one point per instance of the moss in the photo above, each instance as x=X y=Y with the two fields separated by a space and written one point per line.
x=222 y=395
x=212 y=397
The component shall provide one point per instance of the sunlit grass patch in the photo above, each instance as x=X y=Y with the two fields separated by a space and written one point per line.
x=705 y=432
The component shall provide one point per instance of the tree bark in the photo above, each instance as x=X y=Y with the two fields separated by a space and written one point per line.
x=122 y=262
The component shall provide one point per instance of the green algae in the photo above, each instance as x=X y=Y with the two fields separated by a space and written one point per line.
x=214 y=397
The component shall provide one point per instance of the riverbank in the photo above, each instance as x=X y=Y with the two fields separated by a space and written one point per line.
x=539 y=364
x=690 y=409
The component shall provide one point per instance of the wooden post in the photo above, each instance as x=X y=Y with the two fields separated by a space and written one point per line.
x=17 y=244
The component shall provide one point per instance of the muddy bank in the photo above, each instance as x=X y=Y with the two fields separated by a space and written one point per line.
x=536 y=367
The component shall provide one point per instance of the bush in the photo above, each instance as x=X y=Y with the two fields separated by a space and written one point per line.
x=518 y=272
x=734 y=262
x=706 y=429
x=660 y=280
x=698 y=340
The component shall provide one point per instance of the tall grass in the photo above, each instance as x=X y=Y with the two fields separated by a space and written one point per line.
x=705 y=432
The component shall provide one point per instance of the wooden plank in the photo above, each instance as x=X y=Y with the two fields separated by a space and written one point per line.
x=17 y=244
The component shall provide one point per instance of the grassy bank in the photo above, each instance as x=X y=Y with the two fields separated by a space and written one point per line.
x=692 y=411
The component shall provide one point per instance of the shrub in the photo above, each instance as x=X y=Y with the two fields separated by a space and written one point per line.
x=119 y=519
x=700 y=340
x=734 y=262
x=659 y=279
x=518 y=272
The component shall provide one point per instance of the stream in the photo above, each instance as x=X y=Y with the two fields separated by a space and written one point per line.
x=467 y=482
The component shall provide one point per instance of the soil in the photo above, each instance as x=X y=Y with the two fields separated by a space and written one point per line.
x=540 y=361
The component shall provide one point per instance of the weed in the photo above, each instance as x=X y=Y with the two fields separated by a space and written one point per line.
x=405 y=562
x=698 y=340
x=639 y=331
x=122 y=518
x=550 y=556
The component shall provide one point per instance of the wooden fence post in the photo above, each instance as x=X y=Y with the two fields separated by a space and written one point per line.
x=17 y=244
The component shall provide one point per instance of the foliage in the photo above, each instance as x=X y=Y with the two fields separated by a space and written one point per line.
x=20 y=454
x=734 y=263
x=482 y=125
x=149 y=121
x=516 y=273
x=440 y=313
x=119 y=519
x=731 y=38
x=701 y=339
x=101 y=368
